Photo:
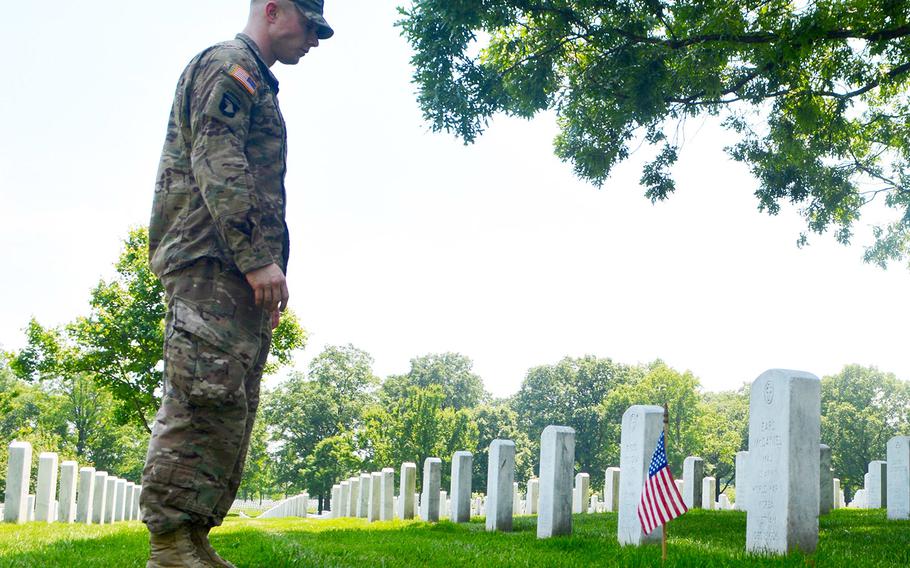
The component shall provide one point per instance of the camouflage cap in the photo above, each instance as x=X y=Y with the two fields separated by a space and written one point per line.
x=313 y=9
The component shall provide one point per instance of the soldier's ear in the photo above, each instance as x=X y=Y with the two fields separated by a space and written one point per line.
x=271 y=11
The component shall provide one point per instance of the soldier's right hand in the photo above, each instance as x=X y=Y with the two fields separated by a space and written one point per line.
x=270 y=288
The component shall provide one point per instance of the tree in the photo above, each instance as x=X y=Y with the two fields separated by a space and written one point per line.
x=862 y=408
x=723 y=424
x=497 y=420
x=816 y=92
x=451 y=371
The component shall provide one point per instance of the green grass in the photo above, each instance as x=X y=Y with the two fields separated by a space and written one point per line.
x=848 y=538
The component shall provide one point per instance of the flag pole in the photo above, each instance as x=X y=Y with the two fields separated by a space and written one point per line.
x=663 y=541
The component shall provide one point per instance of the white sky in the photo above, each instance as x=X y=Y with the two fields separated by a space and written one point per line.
x=406 y=242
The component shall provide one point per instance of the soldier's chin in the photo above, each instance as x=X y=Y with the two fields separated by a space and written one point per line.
x=292 y=59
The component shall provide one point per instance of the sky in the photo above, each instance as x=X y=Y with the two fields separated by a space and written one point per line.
x=407 y=242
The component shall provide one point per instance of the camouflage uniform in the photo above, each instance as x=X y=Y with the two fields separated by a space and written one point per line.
x=218 y=213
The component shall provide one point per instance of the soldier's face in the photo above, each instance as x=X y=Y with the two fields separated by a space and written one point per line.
x=293 y=35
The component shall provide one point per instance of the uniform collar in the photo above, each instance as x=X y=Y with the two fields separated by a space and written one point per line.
x=269 y=76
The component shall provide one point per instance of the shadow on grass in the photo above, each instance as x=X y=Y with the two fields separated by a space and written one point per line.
x=853 y=539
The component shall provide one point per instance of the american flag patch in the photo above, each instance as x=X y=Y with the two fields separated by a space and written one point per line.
x=244 y=78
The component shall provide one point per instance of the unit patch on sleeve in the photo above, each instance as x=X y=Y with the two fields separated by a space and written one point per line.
x=229 y=105
x=244 y=78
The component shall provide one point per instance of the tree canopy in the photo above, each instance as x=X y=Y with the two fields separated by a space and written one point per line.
x=815 y=92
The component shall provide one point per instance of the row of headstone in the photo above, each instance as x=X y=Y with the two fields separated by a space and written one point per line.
x=91 y=497
x=886 y=484
x=295 y=506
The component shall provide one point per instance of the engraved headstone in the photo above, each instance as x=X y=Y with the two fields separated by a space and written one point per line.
x=641 y=428
x=693 y=474
x=363 y=501
x=345 y=509
x=836 y=483
x=110 y=499
x=408 y=485
x=557 y=463
x=18 y=474
x=355 y=497
x=898 y=476
x=119 y=500
x=500 y=477
x=462 y=463
x=335 y=504
x=374 y=502
x=784 y=441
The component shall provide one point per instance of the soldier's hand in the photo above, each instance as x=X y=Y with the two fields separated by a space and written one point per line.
x=270 y=288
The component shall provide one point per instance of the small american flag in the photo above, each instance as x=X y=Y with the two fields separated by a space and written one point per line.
x=660 y=499
x=244 y=78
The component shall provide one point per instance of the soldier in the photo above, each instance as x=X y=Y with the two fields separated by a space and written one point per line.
x=219 y=243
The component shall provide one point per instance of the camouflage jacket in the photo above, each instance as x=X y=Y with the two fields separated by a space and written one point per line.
x=220 y=188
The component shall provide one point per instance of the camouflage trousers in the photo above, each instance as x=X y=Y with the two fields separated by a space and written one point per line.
x=216 y=344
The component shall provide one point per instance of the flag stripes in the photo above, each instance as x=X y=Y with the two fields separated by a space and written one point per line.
x=660 y=499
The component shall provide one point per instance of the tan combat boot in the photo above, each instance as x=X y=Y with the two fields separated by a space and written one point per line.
x=176 y=549
x=201 y=539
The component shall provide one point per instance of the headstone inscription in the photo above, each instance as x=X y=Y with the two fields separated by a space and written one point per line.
x=641 y=428
x=693 y=474
x=460 y=506
x=500 y=477
x=557 y=463
x=898 y=476
x=784 y=441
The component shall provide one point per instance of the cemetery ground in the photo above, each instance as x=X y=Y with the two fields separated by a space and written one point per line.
x=849 y=538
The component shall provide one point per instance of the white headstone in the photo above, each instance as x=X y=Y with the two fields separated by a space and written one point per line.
x=898 y=476
x=110 y=499
x=743 y=467
x=693 y=474
x=120 y=500
x=66 y=509
x=18 y=475
x=335 y=510
x=641 y=428
x=408 y=485
x=708 y=489
x=99 y=499
x=31 y=508
x=500 y=476
x=581 y=493
x=557 y=464
x=363 y=502
x=825 y=481
x=443 y=504
x=784 y=440
x=429 y=498
x=835 y=482
x=611 y=489
x=345 y=509
x=876 y=490
x=723 y=502
x=532 y=496
x=46 y=490
x=387 y=494
x=462 y=462
x=137 y=498
x=355 y=496
x=516 y=499
x=374 y=502
x=86 y=495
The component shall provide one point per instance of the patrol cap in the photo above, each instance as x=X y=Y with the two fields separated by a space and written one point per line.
x=313 y=9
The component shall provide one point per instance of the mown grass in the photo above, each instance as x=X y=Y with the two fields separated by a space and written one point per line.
x=848 y=538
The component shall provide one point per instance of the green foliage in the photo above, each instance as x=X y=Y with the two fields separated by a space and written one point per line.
x=451 y=371
x=816 y=92
x=862 y=408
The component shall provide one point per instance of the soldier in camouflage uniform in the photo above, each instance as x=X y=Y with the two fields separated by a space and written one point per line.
x=219 y=243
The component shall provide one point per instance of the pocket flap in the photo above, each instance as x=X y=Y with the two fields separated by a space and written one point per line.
x=218 y=331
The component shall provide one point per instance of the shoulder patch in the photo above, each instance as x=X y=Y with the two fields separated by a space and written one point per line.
x=243 y=77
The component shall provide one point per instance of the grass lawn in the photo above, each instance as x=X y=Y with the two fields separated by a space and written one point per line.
x=849 y=538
